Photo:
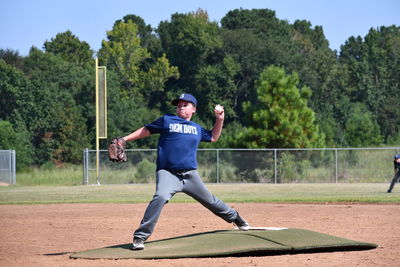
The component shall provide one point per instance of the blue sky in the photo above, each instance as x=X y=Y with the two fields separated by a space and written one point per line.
x=26 y=23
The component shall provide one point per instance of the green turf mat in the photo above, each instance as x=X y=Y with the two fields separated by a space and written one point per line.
x=230 y=243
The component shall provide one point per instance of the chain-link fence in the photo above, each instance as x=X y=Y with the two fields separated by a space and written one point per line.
x=7 y=166
x=328 y=165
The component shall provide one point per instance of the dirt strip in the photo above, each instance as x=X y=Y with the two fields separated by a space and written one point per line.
x=46 y=235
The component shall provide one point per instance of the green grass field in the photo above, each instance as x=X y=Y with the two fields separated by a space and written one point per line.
x=234 y=193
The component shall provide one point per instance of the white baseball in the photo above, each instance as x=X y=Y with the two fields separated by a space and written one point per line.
x=219 y=108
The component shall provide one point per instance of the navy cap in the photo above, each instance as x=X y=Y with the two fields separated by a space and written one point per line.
x=185 y=97
x=397 y=156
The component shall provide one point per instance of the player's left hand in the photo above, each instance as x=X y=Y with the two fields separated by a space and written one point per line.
x=116 y=150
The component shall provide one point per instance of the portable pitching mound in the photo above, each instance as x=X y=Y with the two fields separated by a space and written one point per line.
x=261 y=241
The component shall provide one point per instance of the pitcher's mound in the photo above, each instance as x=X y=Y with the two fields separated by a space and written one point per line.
x=258 y=241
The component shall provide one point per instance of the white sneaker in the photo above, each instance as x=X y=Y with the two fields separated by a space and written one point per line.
x=241 y=223
x=138 y=244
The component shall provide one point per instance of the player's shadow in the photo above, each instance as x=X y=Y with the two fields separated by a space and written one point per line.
x=57 y=253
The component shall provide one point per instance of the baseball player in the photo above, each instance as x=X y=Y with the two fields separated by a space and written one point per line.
x=177 y=165
x=396 y=177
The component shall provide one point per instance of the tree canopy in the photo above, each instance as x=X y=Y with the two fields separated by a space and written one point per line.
x=280 y=83
x=280 y=117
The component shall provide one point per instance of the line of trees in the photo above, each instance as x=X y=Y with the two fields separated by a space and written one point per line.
x=280 y=83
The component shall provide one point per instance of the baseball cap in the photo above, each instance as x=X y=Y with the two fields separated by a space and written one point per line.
x=185 y=97
x=397 y=156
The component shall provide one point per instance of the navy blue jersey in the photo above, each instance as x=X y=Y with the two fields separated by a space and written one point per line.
x=178 y=142
x=396 y=165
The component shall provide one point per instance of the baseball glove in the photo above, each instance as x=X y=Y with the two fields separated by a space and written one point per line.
x=116 y=150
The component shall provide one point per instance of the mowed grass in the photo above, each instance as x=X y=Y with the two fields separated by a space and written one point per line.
x=231 y=193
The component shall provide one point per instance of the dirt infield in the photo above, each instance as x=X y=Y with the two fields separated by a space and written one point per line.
x=45 y=235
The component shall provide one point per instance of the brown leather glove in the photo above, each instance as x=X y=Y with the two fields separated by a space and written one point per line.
x=116 y=150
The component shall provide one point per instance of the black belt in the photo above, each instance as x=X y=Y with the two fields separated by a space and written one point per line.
x=180 y=171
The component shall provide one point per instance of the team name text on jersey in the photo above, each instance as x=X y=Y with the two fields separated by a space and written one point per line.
x=182 y=128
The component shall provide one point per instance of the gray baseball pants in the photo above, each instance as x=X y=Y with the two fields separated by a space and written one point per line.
x=168 y=183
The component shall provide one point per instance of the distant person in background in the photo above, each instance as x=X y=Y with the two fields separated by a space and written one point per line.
x=396 y=177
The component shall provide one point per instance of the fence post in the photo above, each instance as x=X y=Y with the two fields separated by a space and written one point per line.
x=9 y=166
x=217 y=166
x=85 y=166
x=13 y=167
x=336 y=166
x=275 y=168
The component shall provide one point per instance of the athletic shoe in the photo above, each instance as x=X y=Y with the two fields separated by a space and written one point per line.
x=138 y=244
x=241 y=223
